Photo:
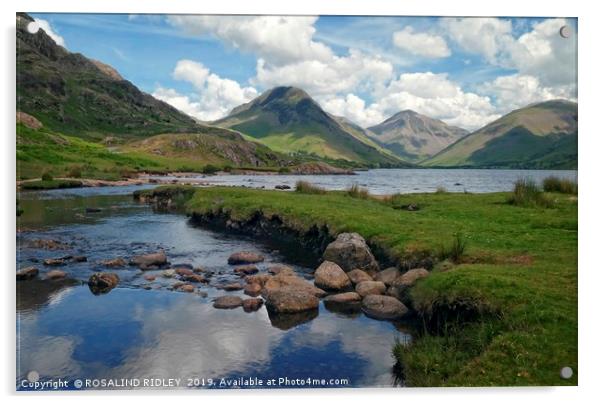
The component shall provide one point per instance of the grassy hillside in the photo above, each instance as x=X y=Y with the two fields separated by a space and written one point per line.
x=413 y=136
x=508 y=305
x=287 y=120
x=44 y=151
x=538 y=136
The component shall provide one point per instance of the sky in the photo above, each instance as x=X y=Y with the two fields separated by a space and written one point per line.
x=464 y=71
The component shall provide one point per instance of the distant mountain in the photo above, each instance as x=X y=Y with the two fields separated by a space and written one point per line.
x=542 y=135
x=413 y=136
x=83 y=97
x=287 y=119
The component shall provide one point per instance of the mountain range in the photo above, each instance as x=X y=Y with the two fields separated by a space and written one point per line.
x=88 y=105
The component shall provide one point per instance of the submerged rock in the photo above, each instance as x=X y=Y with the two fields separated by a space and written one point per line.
x=330 y=276
x=25 y=274
x=387 y=276
x=291 y=300
x=56 y=274
x=102 y=282
x=383 y=307
x=146 y=261
x=370 y=288
x=227 y=302
x=245 y=257
x=252 y=304
x=357 y=275
x=350 y=251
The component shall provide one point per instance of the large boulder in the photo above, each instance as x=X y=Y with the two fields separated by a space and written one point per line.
x=330 y=276
x=383 y=307
x=149 y=261
x=227 y=302
x=245 y=257
x=350 y=251
x=291 y=300
x=400 y=288
x=290 y=282
x=25 y=274
x=102 y=282
x=357 y=276
x=370 y=288
x=387 y=276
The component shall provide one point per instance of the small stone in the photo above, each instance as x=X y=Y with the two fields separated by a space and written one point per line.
x=194 y=278
x=186 y=288
x=102 y=282
x=54 y=261
x=168 y=273
x=56 y=274
x=28 y=273
x=245 y=257
x=252 y=304
x=184 y=271
x=80 y=258
x=113 y=263
x=157 y=259
x=150 y=278
x=246 y=270
x=229 y=287
x=227 y=302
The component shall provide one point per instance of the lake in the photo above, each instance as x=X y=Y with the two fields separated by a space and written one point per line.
x=389 y=181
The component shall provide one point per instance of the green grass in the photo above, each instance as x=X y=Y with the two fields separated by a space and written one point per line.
x=51 y=184
x=560 y=185
x=355 y=191
x=506 y=312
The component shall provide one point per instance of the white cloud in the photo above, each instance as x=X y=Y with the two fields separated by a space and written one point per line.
x=516 y=91
x=486 y=36
x=45 y=25
x=214 y=96
x=279 y=39
x=427 y=93
x=421 y=43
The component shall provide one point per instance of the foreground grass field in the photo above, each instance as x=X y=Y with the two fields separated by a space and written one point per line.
x=504 y=313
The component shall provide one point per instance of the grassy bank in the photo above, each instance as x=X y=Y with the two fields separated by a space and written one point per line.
x=503 y=313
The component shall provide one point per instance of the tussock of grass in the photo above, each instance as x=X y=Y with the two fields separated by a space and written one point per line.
x=355 y=191
x=441 y=190
x=560 y=185
x=455 y=250
x=304 y=187
x=527 y=193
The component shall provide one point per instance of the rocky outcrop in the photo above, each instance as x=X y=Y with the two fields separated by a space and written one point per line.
x=149 y=261
x=102 y=282
x=25 y=274
x=330 y=276
x=357 y=276
x=350 y=252
x=245 y=257
x=227 y=302
x=370 y=288
x=383 y=307
x=387 y=276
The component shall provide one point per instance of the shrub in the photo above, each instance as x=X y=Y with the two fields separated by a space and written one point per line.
x=228 y=168
x=455 y=251
x=527 y=193
x=355 y=191
x=441 y=190
x=560 y=185
x=210 y=169
x=46 y=176
x=305 y=187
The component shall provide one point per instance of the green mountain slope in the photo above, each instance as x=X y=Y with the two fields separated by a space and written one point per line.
x=288 y=120
x=413 y=136
x=542 y=135
x=79 y=96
